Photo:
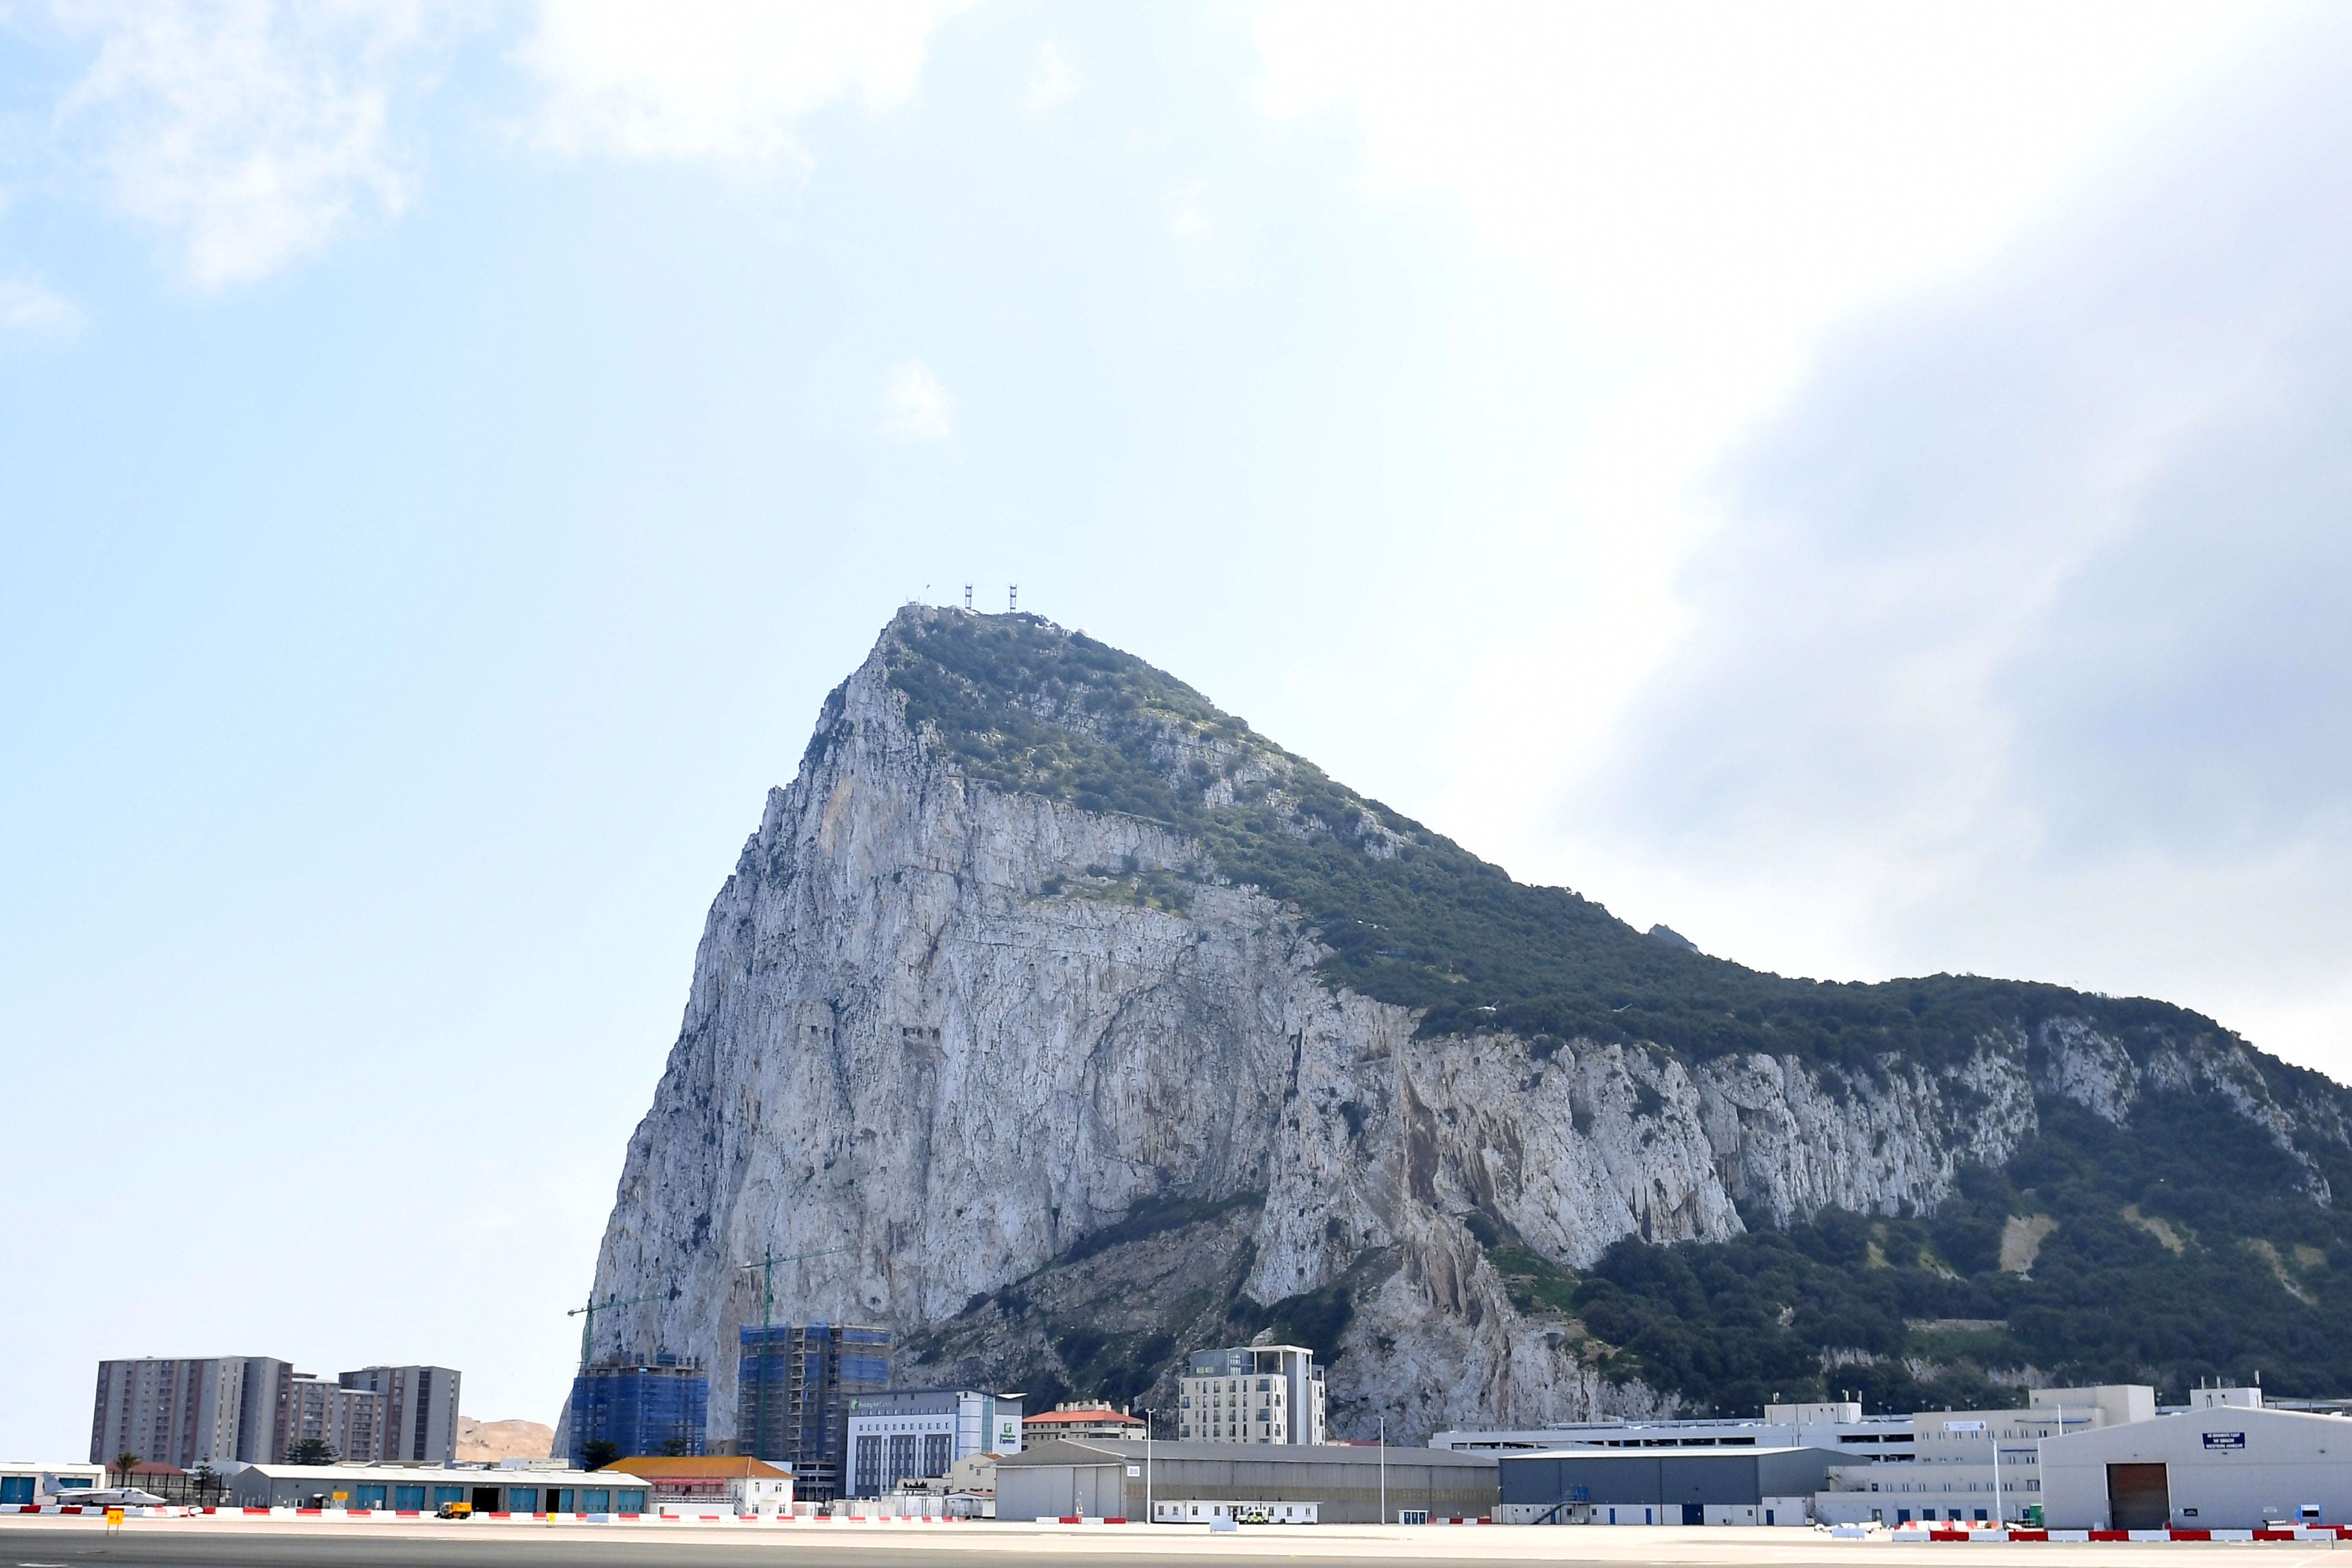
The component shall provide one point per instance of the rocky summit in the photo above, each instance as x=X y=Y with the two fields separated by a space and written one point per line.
x=1076 y=1024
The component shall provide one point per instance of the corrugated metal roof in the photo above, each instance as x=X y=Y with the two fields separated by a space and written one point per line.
x=411 y=1474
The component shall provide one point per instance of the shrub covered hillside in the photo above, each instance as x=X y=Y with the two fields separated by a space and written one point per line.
x=2186 y=1244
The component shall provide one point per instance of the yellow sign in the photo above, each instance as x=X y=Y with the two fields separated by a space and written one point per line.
x=343 y=1497
x=114 y=1519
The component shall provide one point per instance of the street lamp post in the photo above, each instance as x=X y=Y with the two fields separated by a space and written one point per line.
x=1384 y=1469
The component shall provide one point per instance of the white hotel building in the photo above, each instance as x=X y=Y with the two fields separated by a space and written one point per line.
x=1251 y=1394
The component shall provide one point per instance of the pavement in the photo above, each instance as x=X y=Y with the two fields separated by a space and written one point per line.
x=64 y=1543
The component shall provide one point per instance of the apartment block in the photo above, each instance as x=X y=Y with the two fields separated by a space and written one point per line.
x=1251 y=1394
x=188 y=1411
x=420 y=1418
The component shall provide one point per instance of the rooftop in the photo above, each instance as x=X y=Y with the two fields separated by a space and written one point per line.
x=1100 y=1450
x=668 y=1466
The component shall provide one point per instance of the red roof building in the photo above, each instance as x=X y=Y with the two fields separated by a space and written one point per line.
x=1083 y=1419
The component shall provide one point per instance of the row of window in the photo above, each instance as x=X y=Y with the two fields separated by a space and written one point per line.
x=881 y=1463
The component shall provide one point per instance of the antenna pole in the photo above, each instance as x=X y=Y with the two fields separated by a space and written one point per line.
x=1012 y=598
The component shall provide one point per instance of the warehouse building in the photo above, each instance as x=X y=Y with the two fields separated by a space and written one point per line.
x=1348 y=1484
x=421 y=1487
x=1601 y=1485
x=2225 y=1463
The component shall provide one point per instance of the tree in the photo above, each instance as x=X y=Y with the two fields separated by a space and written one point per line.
x=598 y=1452
x=672 y=1446
x=124 y=1465
x=309 y=1451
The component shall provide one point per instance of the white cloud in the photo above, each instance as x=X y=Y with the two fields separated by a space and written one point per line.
x=1052 y=80
x=916 y=406
x=2024 y=644
x=256 y=134
x=27 y=307
x=1188 y=212
x=724 y=80
x=1703 y=193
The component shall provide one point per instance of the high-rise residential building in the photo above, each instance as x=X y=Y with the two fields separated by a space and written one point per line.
x=420 y=1419
x=792 y=1387
x=1251 y=1394
x=639 y=1409
x=349 y=1421
x=216 y=1410
x=188 y=1411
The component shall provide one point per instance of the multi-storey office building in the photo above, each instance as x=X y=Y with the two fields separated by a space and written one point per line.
x=918 y=1434
x=420 y=1411
x=1251 y=1394
x=793 y=1387
x=640 y=1408
x=188 y=1411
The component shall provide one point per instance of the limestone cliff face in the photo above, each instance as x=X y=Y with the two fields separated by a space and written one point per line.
x=936 y=1025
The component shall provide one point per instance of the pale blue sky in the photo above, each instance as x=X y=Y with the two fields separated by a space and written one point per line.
x=1865 y=487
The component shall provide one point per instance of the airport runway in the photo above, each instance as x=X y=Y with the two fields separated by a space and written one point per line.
x=35 y=1542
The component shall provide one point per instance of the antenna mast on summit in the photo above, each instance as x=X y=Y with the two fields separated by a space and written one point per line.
x=1012 y=598
x=966 y=595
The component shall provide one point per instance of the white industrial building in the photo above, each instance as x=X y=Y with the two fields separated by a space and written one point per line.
x=1977 y=1466
x=918 y=1434
x=1765 y=1485
x=1251 y=1394
x=1834 y=1424
x=2224 y=1462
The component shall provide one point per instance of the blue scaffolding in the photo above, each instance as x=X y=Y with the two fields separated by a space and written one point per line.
x=640 y=1409
x=793 y=1382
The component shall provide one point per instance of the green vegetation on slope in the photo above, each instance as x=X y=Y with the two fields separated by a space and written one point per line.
x=2185 y=1245
x=1025 y=706
x=1730 y=1324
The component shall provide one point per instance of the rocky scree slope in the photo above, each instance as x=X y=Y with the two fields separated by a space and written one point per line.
x=1092 y=1027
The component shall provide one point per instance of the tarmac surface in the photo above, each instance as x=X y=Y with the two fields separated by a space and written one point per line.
x=37 y=1541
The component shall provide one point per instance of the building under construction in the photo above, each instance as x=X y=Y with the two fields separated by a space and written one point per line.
x=794 y=1384
x=639 y=1407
